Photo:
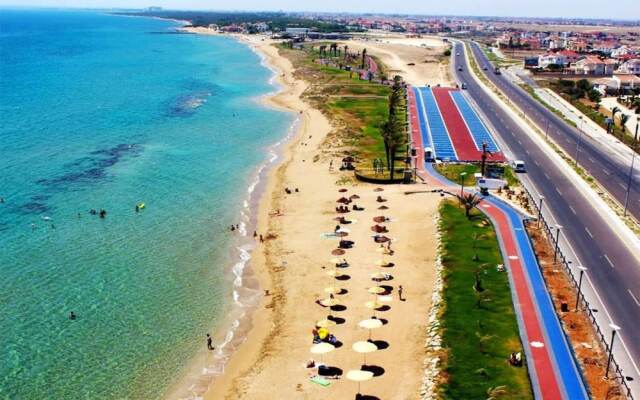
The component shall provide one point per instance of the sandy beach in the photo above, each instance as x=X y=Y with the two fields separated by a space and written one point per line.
x=293 y=261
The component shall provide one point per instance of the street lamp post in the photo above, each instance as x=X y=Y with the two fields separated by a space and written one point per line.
x=582 y=271
x=579 y=140
x=540 y=210
x=555 y=253
x=614 y=328
x=546 y=131
x=462 y=175
x=633 y=158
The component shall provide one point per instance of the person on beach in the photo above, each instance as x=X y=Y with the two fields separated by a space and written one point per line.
x=261 y=239
x=400 y=290
x=103 y=213
x=255 y=234
x=337 y=228
x=331 y=165
x=210 y=343
x=233 y=228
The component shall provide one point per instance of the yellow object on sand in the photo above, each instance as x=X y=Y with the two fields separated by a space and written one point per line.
x=323 y=333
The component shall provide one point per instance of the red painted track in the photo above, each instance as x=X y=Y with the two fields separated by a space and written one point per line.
x=546 y=376
x=458 y=131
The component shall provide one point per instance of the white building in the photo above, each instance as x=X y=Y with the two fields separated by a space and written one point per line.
x=630 y=67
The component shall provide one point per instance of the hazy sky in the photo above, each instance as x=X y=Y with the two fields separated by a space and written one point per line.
x=622 y=9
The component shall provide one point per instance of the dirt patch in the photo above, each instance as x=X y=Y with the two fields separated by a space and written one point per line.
x=577 y=325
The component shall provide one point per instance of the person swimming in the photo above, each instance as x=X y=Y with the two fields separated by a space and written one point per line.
x=72 y=316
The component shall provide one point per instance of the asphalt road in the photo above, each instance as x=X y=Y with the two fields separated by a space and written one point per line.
x=612 y=174
x=613 y=269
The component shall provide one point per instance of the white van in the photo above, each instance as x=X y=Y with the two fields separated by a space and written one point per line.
x=518 y=166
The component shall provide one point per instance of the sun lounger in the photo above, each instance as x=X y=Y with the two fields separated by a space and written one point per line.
x=320 y=380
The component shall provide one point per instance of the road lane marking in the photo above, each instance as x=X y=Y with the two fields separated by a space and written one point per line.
x=622 y=185
x=592 y=160
x=573 y=211
x=547 y=176
x=588 y=232
x=537 y=165
x=558 y=190
x=606 y=171
x=606 y=257
x=634 y=297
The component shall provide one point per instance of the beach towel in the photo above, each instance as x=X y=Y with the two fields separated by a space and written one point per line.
x=320 y=380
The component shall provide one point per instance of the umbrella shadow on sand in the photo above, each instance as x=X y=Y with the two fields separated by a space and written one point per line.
x=380 y=344
x=330 y=371
x=344 y=277
x=338 y=307
x=337 y=320
x=374 y=369
x=366 y=397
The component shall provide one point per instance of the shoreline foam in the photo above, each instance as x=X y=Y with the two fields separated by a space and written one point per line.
x=246 y=295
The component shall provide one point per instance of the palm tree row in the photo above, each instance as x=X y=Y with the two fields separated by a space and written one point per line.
x=394 y=134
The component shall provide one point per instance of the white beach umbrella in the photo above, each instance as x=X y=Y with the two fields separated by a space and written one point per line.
x=332 y=290
x=369 y=324
x=373 y=304
x=334 y=273
x=329 y=302
x=322 y=348
x=376 y=290
x=364 y=347
x=359 y=376
x=325 y=323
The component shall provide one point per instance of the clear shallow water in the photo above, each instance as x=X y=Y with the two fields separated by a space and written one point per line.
x=100 y=111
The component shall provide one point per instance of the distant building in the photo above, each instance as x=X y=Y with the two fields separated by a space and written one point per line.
x=153 y=9
x=297 y=31
x=630 y=67
x=592 y=65
x=618 y=82
x=551 y=59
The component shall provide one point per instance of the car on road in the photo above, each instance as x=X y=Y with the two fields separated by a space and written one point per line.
x=485 y=68
x=497 y=71
x=458 y=54
x=463 y=86
x=518 y=166
x=460 y=68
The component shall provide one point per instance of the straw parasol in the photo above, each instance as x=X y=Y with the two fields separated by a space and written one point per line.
x=364 y=347
x=332 y=290
x=343 y=200
x=359 y=376
x=325 y=323
x=338 y=252
x=379 y=219
x=383 y=207
x=376 y=290
x=378 y=189
x=341 y=233
x=369 y=324
x=381 y=239
x=354 y=196
x=342 y=190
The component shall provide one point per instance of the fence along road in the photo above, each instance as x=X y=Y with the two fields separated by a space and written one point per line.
x=589 y=241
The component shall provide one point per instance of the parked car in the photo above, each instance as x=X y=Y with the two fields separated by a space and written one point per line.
x=485 y=68
x=460 y=68
x=463 y=86
x=518 y=166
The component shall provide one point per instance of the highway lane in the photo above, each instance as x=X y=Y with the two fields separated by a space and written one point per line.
x=610 y=172
x=613 y=269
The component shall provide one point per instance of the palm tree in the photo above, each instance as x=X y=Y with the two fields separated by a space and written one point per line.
x=346 y=49
x=469 y=201
x=497 y=392
x=623 y=120
x=614 y=111
x=364 y=55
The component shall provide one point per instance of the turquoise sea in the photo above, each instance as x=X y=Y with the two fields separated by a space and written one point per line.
x=105 y=112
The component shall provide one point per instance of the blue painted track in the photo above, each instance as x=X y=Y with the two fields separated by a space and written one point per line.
x=478 y=130
x=439 y=136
